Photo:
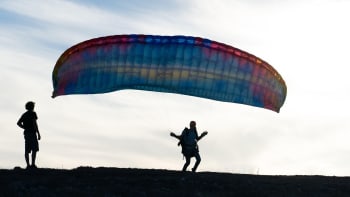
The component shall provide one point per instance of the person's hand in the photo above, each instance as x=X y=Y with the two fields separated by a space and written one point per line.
x=205 y=133
x=172 y=134
x=39 y=137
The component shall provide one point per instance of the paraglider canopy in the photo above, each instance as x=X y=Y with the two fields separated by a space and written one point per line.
x=173 y=64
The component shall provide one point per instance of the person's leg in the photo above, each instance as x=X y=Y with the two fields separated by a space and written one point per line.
x=198 y=160
x=35 y=148
x=188 y=161
x=26 y=152
x=26 y=156
x=33 y=159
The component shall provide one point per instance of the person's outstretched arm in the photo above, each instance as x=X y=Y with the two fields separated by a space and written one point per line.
x=202 y=135
x=175 y=136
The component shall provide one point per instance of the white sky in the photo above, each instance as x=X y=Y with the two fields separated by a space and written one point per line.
x=307 y=41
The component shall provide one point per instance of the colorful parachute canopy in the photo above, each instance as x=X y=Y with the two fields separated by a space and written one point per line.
x=174 y=64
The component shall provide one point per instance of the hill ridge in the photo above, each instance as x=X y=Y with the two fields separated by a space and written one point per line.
x=112 y=181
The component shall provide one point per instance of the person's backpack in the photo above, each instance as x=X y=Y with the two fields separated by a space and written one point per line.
x=188 y=142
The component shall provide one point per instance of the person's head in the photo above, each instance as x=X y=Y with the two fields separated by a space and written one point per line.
x=30 y=105
x=192 y=124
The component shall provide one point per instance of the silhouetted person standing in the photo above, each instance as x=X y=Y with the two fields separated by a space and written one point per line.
x=31 y=133
x=188 y=141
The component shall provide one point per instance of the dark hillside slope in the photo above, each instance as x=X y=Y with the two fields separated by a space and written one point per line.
x=86 y=181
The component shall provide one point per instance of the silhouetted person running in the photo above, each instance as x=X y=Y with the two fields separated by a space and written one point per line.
x=31 y=133
x=188 y=141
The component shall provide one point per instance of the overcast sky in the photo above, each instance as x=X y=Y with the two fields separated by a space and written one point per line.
x=306 y=41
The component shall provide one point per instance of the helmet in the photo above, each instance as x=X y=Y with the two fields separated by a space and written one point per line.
x=192 y=124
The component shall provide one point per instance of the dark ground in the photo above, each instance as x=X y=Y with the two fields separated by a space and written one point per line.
x=86 y=181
